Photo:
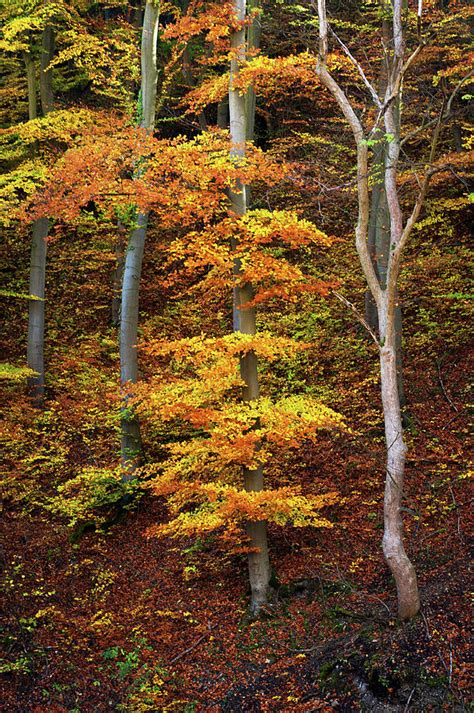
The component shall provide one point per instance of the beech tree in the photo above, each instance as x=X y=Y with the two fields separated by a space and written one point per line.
x=20 y=32
x=244 y=315
x=131 y=446
x=386 y=134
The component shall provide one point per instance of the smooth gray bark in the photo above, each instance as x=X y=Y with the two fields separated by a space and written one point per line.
x=40 y=228
x=36 y=313
x=149 y=66
x=379 y=217
x=131 y=446
x=379 y=248
x=244 y=320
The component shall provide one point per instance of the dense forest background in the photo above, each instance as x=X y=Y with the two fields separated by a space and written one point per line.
x=163 y=421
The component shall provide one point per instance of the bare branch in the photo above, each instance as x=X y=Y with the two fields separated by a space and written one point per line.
x=394 y=263
x=359 y=68
x=358 y=315
x=362 y=155
x=447 y=114
x=457 y=88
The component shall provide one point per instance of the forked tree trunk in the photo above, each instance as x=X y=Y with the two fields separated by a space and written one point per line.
x=245 y=322
x=379 y=218
x=131 y=445
x=384 y=291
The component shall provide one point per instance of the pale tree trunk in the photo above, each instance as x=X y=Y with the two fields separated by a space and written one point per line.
x=379 y=248
x=384 y=291
x=40 y=228
x=393 y=548
x=131 y=446
x=245 y=322
x=379 y=220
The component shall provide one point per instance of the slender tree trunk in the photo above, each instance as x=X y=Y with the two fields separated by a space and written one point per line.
x=379 y=220
x=40 y=228
x=395 y=555
x=35 y=348
x=149 y=66
x=385 y=296
x=379 y=247
x=131 y=446
x=392 y=543
x=371 y=316
x=245 y=322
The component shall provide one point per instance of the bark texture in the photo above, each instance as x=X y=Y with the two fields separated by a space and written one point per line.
x=244 y=320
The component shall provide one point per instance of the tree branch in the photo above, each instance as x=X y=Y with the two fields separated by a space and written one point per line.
x=358 y=315
x=362 y=155
x=357 y=65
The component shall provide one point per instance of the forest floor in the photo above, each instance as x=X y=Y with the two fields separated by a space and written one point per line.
x=119 y=621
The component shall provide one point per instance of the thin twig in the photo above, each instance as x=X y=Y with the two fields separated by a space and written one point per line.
x=447 y=114
x=193 y=646
x=428 y=633
x=458 y=513
x=356 y=64
x=443 y=388
x=359 y=317
x=408 y=701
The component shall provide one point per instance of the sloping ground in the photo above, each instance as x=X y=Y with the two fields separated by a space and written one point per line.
x=117 y=621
